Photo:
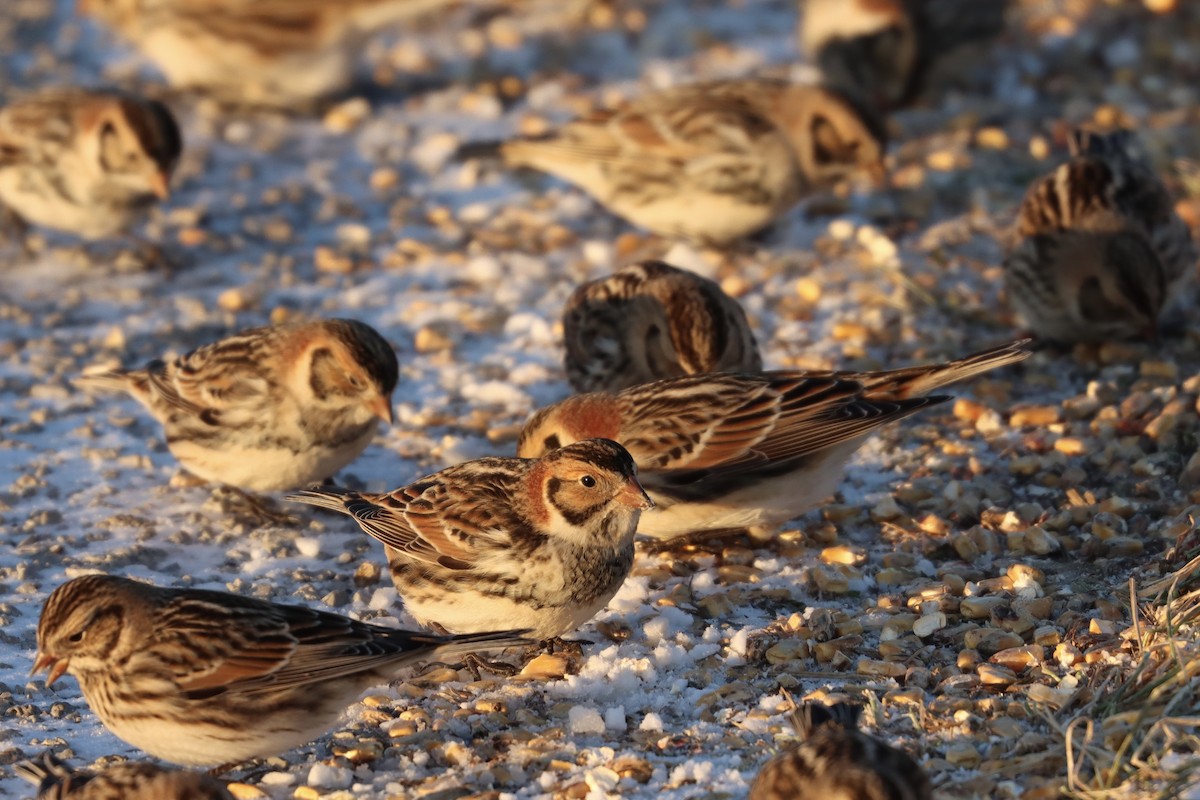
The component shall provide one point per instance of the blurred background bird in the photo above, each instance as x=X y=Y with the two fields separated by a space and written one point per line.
x=834 y=760
x=651 y=320
x=132 y=780
x=882 y=51
x=281 y=53
x=1101 y=253
x=712 y=162
x=85 y=161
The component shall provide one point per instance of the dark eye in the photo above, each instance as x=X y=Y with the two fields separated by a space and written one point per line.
x=588 y=481
x=76 y=638
x=356 y=382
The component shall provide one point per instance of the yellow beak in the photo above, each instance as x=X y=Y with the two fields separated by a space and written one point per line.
x=57 y=667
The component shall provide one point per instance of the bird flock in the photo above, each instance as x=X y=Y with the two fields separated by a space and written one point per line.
x=676 y=431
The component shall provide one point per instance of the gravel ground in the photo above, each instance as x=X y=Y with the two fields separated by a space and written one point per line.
x=971 y=582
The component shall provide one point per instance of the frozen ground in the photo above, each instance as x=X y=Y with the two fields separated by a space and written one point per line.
x=362 y=213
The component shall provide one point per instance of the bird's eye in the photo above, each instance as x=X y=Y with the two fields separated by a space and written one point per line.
x=588 y=481
x=356 y=382
x=77 y=637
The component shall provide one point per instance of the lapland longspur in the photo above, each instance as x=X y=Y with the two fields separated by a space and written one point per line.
x=541 y=544
x=734 y=451
x=132 y=780
x=283 y=53
x=882 y=50
x=269 y=408
x=1101 y=254
x=834 y=759
x=710 y=161
x=86 y=161
x=205 y=678
x=651 y=320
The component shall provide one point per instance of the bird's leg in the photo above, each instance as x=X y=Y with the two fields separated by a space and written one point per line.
x=477 y=665
x=259 y=510
x=472 y=662
x=572 y=648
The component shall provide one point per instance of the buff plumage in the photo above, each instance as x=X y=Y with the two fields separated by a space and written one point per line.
x=834 y=759
x=268 y=408
x=712 y=162
x=205 y=678
x=732 y=451
x=532 y=543
x=649 y=321
x=132 y=780
x=1100 y=252
x=86 y=161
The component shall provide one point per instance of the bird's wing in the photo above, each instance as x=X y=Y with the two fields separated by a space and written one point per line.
x=452 y=519
x=736 y=421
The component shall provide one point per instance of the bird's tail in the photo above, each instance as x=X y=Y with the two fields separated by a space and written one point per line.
x=106 y=380
x=481 y=151
x=455 y=645
x=918 y=381
x=44 y=770
x=331 y=497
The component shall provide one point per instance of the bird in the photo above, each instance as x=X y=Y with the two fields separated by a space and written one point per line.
x=882 y=51
x=727 y=451
x=1100 y=252
x=269 y=408
x=89 y=162
x=834 y=759
x=712 y=162
x=204 y=678
x=651 y=320
x=131 y=780
x=542 y=544
x=287 y=54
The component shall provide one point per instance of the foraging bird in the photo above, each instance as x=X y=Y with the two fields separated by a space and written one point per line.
x=204 y=678
x=732 y=451
x=86 y=161
x=280 y=53
x=1102 y=254
x=131 y=780
x=883 y=50
x=712 y=161
x=836 y=761
x=538 y=543
x=268 y=408
x=651 y=320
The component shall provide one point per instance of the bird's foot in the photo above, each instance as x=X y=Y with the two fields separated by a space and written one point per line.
x=255 y=509
x=477 y=665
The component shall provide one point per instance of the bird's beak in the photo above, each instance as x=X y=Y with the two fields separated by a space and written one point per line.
x=382 y=407
x=160 y=184
x=56 y=666
x=633 y=495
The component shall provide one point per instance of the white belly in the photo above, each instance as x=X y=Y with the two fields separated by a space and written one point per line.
x=262 y=470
